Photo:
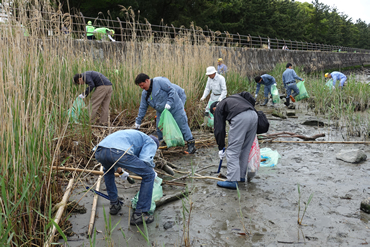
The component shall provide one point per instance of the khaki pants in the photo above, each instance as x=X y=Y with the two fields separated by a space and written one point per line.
x=101 y=98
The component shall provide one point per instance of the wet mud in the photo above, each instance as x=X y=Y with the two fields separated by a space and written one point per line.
x=267 y=212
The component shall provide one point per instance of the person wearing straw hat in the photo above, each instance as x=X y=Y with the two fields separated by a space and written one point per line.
x=90 y=30
x=101 y=96
x=335 y=75
x=132 y=150
x=215 y=83
x=221 y=67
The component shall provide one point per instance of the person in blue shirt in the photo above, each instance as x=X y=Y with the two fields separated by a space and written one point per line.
x=335 y=75
x=160 y=94
x=221 y=67
x=268 y=81
x=133 y=150
x=289 y=80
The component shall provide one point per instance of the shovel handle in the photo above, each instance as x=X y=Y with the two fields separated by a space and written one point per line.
x=219 y=166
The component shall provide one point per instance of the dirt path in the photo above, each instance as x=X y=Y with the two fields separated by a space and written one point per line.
x=268 y=204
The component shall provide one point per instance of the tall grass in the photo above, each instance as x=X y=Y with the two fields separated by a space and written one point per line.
x=36 y=90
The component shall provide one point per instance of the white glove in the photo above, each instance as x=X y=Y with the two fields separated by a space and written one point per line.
x=333 y=87
x=137 y=126
x=81 y=96
x=255 y=96
x=219 y=99
x=201 y=99
x=167 y=106
x=221 y=154
x=124 y=176
x=275 y=84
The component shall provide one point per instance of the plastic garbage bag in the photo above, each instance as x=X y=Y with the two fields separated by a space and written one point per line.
x=171 y=131
x=211 y=118
x=275 y=94
x=77 y=110
x=271 y=157
x=157 y=194
x=329 y=85
x=303 y=94
x=253 y=160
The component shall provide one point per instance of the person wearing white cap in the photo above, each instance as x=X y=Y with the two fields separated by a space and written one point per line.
x=215 y=83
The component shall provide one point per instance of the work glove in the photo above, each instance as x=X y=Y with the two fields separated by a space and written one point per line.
x=137 y=126
x=124 y=176
x=255 y=96
x=167 y=106
x=201 y=99
x=81 y=96
x=221 y=154
x=219 y=99
x=275 y=84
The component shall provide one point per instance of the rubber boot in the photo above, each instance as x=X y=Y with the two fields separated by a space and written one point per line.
x=191 y=147
x=228 y=184
x=265 y=102
x=287 y=102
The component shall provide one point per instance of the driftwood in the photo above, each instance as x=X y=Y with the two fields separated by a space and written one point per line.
x=95 y=203
x=273 y=136
x=88 y=171
x=61 y=206
x=171 y=198
x=165 y=162
x=323 y=142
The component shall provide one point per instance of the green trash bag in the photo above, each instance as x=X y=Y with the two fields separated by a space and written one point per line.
x=329 y=85
x=271 y=157
x=171 y=131
x=157 y=194
x=302 y=92
x=77 y=110
x=211 y=118
x=275 y=94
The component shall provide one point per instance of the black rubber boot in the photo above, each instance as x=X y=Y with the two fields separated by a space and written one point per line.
x=191 y=147
x=265 y=102
x=287 y=102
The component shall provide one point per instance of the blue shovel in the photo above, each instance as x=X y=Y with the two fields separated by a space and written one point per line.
x=101 y=194
x=219 y=166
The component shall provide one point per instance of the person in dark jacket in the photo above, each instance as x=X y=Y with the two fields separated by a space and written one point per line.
x=239 y=110
x=101 y=96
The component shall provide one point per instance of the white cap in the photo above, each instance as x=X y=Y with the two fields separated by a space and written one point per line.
x=211 y=70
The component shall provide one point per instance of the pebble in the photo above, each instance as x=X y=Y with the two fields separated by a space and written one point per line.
x=365 y=205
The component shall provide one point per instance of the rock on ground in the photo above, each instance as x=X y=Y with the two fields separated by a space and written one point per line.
x=352 y=156
x=365 y=205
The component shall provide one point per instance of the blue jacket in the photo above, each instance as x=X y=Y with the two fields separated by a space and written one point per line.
x=163 y=92
x=335 y=75
x=221 y=69
x=289 y=76
x=267 y=80
x=137 y=143
x=180 y=92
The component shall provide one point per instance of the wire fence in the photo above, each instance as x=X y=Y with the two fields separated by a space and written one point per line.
x=57 y=23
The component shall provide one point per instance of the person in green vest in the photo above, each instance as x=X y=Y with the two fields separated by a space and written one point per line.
x=104 y=34
x=90 y=30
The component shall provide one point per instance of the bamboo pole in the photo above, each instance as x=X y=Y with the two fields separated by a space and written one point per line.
x=59 y=213
x=322 y=142
x=88 y=171
x=95 y=203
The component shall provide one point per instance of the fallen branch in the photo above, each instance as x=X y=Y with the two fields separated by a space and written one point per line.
x=289 y=134
x=321 y=142
x=163 y=161
x=89 y=171
x=95 y=203
x=61 y=206
x=171 y=198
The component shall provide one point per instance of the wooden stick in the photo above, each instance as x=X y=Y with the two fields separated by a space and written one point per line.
x=59 y=213
x=95 y=203
x=322 y=142
x=208 y=177
x=88 y=171
x=290 y=134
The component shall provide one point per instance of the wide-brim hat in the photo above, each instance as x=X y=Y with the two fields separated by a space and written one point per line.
x=211 y=70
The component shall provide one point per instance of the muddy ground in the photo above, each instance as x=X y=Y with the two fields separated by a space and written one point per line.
x=268 y=204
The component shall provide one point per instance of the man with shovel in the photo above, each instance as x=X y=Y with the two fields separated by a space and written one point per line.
x=133 y=150
x=101 y=96
x=160 y=94
x=238 y=110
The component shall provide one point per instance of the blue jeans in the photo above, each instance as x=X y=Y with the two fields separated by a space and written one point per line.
x=267 y=90
x=289 y=88
x=108 y=156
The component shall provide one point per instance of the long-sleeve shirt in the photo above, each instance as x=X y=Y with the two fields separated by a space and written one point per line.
x=221 y=69
x=94 y=79
x=267 y=80
x=226 y=110
x=218 y=87
x=335 y=75
x=136 y=142
x=290 y=76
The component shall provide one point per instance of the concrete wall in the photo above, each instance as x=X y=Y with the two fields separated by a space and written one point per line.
x=245 y=61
